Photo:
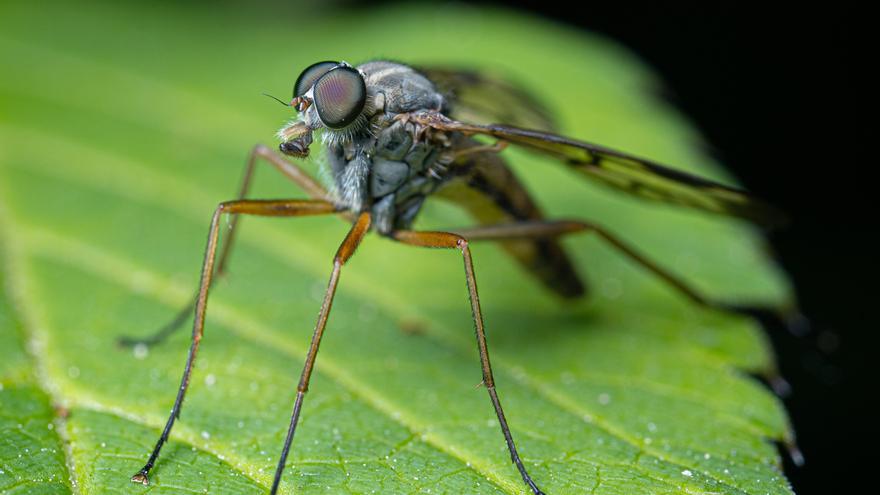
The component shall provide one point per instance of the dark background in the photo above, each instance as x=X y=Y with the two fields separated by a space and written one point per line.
x=775 y=92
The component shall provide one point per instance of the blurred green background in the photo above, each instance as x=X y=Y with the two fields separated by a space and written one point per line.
x=122 y=125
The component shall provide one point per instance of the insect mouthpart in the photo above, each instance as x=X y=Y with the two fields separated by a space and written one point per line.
x=295 y=139
x=298 y=147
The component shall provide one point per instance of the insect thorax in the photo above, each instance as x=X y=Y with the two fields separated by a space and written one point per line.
x=386 y=168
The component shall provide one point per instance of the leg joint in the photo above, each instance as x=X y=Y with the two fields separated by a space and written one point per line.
x=261 y=149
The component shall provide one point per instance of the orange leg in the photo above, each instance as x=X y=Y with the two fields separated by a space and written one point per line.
x=455 y=241
x=537 y=229
x=346 y=250
x=273 y=208
x=292 y=172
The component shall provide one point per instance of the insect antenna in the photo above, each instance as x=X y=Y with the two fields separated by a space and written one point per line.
x=277 y=99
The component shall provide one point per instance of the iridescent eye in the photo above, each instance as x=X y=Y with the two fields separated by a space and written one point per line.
x=308 y=77
x=340 y=96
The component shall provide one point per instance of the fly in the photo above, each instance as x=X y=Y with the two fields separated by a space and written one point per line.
x=393 y=139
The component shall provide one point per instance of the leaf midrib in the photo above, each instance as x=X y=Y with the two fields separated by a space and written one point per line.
x=9 y=251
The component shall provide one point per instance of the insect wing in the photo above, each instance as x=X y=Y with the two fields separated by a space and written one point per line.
x=493 y=195
x=477 y=96
x=636 y=176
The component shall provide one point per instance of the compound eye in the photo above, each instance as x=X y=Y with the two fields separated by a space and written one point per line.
x=340 y=96
x=308 y=77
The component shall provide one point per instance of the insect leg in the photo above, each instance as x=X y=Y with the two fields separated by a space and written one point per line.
x=455 y=241
x=538 y=229
x=346 y=250
x=293 y=172
x=276 y=208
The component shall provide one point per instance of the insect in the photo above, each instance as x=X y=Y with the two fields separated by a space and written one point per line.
x=392 y=141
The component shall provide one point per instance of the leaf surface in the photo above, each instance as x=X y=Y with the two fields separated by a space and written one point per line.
x=122 y=126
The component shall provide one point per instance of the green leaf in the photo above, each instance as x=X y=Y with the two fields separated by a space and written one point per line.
x=121 y=128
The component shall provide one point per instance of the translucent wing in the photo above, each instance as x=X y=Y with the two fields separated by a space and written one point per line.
x=493 y=195
x=633 y=175
x=477 y=96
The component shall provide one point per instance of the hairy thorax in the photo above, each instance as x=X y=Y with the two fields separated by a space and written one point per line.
x=390 y=166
